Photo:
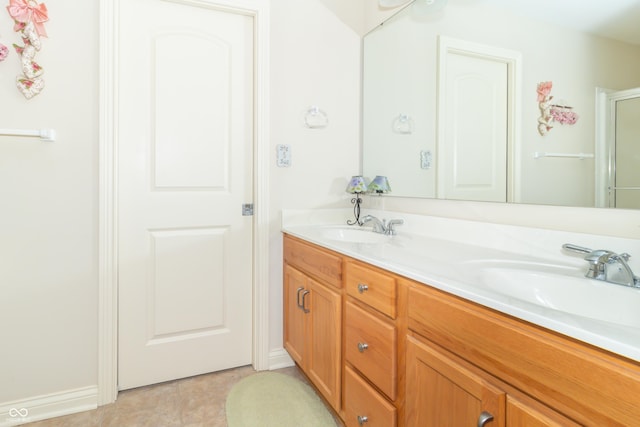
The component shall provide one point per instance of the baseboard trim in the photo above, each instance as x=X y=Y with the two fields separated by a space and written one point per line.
x=279 y=359
x=48 y=406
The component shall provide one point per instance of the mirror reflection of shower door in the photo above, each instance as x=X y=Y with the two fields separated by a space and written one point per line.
x=626 y=155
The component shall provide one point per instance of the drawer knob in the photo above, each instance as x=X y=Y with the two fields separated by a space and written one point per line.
x=362 y=346
x=484 y=418
x=362 y=419
x=362 y=288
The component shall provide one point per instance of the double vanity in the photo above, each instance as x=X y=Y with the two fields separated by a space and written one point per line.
x=454 y=322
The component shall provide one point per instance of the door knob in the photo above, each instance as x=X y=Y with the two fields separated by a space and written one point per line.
x=362 y=419
x=362 y=288
x=362 y=346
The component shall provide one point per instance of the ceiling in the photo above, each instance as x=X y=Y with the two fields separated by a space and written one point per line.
x=616 y=19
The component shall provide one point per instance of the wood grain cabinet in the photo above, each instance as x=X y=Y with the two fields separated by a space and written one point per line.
x=370 y=346
x=313 y=321
x=467 y=356
x=444 y=391
x=384 y=350
x=441 y=392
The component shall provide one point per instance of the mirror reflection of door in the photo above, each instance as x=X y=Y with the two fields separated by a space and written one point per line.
x=477 y=91
x=625 y=188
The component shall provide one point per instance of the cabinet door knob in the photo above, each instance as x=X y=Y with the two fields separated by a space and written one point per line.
x=362 y=419
x=362 y=288
x=484 y=418
x=362 y=346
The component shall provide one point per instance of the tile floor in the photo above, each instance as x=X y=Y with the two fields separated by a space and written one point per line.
x=191 y=402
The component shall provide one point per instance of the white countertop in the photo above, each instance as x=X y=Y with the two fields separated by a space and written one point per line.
x=448 y=263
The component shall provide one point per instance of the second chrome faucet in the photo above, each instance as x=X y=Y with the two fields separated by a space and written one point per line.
x=607 y=266
x=383 y=227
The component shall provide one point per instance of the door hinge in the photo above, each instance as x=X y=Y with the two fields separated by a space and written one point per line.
x=247 y=209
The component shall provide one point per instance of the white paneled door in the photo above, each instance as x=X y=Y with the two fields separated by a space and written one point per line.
x=184 y=140
x=472 y=153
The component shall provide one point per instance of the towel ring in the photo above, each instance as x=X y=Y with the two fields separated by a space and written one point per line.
x=403 y=124
x=315 y=118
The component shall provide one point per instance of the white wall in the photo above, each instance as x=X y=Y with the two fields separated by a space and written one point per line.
x=315 y=60
x=48 y=226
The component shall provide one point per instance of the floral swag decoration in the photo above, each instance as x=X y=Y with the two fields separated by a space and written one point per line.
x=29 y=17
x=552 y=112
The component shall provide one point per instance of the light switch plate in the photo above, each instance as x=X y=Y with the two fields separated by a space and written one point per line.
x=283 y=155
x=425 y=159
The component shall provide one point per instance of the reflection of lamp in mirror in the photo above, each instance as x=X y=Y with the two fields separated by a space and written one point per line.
x=356 y=186
x=380 y=185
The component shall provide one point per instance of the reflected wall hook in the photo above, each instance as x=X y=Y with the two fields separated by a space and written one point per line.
x=315 y=118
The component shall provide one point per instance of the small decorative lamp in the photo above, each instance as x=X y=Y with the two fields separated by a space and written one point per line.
x=380 y=185
x=356 y=186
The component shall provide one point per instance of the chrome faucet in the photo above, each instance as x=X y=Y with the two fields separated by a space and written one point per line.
x=607 y=266
x=382 y=227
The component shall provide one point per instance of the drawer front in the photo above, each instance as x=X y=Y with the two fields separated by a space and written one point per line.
x=371 y=287
x=371 y=348
x=364 y=406
x=313 y=260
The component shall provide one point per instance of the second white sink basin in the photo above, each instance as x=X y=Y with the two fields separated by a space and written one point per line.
x=566 y=290
x=353 y=235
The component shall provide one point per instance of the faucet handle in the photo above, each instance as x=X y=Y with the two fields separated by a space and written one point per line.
x=599 y=256
x=575 y=248
x=391 y=224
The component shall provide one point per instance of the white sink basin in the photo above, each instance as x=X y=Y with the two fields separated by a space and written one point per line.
x=564 y=289
x=354 y=235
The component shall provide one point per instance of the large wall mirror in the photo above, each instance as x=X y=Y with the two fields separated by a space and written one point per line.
x=452 y=109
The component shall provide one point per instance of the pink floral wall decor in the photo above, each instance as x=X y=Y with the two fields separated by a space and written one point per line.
x=29 y=17
x=552 y=112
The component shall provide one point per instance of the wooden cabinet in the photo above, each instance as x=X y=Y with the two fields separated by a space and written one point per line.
x=313 y=323
x=549 y=379
x=372 y=287
x=365 y=406
x=295 y=325
x=441 y=392
x=525 y=412
x=370 y=346
x=410 y=355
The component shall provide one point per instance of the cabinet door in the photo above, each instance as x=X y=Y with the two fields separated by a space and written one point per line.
x=442 y=393
x=523 y=412
x=324 y=351
x=295 y=284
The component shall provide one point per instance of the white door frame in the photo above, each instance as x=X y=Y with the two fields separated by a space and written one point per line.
x=606 y=100
x=108 y=187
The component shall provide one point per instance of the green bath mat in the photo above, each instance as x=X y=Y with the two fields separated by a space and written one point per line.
x=271 y=399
